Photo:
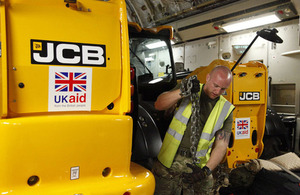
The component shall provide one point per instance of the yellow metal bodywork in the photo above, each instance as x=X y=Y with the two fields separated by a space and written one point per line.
x=50 y=145
x=3 y=63
x=52 y=20
x=254 y=79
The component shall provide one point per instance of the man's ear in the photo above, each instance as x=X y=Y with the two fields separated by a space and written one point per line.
x=207 y=77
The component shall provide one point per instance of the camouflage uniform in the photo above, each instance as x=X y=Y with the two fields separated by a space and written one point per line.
x=169 y=180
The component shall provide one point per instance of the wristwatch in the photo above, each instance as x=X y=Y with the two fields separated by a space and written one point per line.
x=206 y=170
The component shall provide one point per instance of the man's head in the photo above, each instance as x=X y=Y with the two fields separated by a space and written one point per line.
x=217 y=81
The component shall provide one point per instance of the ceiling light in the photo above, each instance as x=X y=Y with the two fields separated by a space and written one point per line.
x=250 y=22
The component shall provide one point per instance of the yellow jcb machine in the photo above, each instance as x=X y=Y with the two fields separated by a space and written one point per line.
x=65 y=95
x=248 y=93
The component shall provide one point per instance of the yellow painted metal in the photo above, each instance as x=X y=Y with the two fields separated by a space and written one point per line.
x=49 y=146
x=71 y=152
x=247 y=78
x=52 y=20
x=3 y=61
x=125 y=61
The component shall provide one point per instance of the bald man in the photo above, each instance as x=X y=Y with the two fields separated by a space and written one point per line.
x=175 y=171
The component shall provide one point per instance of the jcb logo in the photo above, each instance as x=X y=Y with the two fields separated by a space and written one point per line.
x=64 y=53
x=249 y=96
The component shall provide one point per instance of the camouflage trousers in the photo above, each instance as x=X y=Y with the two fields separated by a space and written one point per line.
x=169 y=180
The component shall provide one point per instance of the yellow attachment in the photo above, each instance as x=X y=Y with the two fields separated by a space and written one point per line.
x=248 y=93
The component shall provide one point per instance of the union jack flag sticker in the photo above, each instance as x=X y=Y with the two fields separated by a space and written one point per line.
x=242 y=124
x=70 y=81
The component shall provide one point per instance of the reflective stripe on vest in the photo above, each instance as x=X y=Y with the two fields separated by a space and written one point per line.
x=207 y=139
x=179 y=114
x=181 y=117
x=174 y=135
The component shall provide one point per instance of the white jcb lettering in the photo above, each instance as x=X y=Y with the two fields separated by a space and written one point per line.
x=92 y=55
x=60 y=53
x=249 y=96
x=47 y=59
x=256 y=96
x=242 y=97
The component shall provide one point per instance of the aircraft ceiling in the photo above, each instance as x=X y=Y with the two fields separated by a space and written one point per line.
x=194 y=19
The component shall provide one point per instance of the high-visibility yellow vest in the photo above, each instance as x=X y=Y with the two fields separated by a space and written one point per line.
x=175 y=132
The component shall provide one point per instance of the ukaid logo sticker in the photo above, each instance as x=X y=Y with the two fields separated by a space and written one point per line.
x=69 y=89
x=242 y=128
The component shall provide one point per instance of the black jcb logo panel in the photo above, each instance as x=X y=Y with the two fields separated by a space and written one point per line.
x=66 y=53
x=249 y=96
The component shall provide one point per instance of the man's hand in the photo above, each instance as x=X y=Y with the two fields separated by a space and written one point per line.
x=197 y=174
x=196 y=86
